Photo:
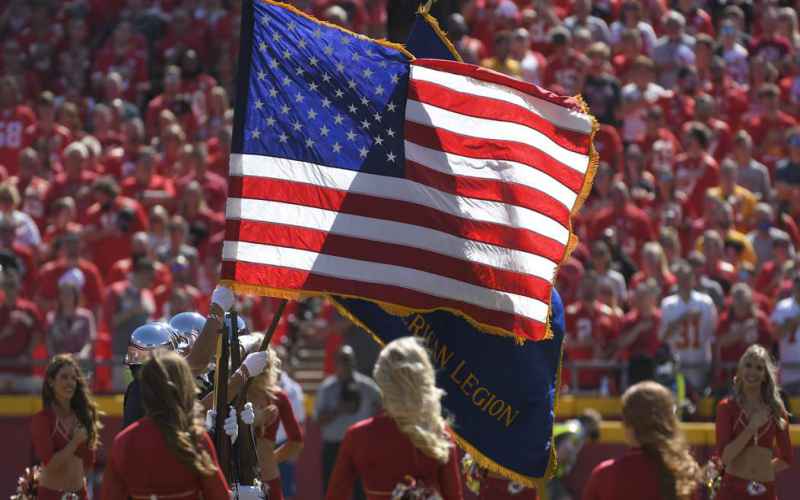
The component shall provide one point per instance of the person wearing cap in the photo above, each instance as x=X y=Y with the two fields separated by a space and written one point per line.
x=70 y=328
x=786 y=329
x=674 y=50
x=20 y=332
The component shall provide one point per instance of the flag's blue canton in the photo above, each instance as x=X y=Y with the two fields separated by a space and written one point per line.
x=318 y=94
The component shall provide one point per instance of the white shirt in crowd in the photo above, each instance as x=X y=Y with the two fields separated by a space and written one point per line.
x=692 y=341
x=786 y=310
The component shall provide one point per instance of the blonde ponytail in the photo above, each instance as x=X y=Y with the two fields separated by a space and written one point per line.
x=406 y=378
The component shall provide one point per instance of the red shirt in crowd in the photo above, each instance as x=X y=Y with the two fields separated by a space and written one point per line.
x=633 y=225
x=13 y=123
x=768 y=135
x=733 y=352
x=694 y=176
x=47 y=281
x=132 y=189
x=78 y=188
x=119 y=222
x=57 y=138
x=608 y=144
x=381 y=468
x=141 y=466
x=20 y=322
x=647 y=342
x=633 y=476
x=590 y=329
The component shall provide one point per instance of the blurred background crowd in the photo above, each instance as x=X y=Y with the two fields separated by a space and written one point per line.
x=115 y=130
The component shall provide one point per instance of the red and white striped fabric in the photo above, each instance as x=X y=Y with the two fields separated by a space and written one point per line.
x=478 y=224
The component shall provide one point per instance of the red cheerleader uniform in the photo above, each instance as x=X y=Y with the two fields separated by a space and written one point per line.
x=141 y=467
x=293 y=433
x=375 y=451
x=633 y=476
x=49 y=436
x=731 y=420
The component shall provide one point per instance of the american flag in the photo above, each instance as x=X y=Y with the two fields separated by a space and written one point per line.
x=420 y=185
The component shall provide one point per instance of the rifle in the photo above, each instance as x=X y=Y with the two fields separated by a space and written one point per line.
x=221 y=441
x=248 y=456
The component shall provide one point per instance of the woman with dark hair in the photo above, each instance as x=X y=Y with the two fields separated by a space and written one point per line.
x=406 y=451
x=166 y=454
x=66 y=432
x=753 y=430
x=659 y=464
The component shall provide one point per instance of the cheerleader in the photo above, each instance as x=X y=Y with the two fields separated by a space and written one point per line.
x=408 y=447
x=268 y=399
x=658 y=465
x=166 y=454
x=66 y=432
x=752 y=430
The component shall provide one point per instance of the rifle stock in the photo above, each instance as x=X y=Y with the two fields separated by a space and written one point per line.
x=221 y=440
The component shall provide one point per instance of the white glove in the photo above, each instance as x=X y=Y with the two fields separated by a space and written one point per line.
x=211 y=418
x=231 y=425
x=223 y=297
x=248 y=415
x=254 y=363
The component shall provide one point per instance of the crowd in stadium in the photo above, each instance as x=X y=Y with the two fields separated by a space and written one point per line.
x=116 y=124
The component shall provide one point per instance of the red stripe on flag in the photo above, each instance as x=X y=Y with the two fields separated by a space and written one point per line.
x=313 y=240
x=475 y=147
x=487 y=75
x=295 y=279
x=494 y=109
x=262 y=188
x=489 y=189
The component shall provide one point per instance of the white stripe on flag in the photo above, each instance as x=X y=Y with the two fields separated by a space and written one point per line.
x=557 y=115
x=391 y=232
x=384 y=274
x=493 y=130
x=500 y=170
x=393 y=188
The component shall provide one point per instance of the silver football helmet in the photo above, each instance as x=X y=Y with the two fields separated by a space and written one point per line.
x=188 y=326
x=148 y=338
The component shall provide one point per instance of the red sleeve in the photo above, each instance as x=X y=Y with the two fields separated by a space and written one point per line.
x=113 y=483
x=724 y=424
x=784 y=448
x=293 y=431
x=340 y=485
x=214 y=486
x=597 y=482
x=450 y=479
x=40 y=435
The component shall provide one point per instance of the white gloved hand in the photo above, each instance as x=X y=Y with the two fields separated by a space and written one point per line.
x=211 y=418
x=223 y=297
x=248 y=414
x=254 y=363
x=231 y=425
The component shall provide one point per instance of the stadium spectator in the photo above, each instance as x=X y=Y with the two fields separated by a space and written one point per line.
x=27 y=232
x=741 y=325
x=128 y=304
x=111 y=222
x=674 y=50
x=786 y=320
x=765 y=235
x=20 y=331
x=753 y=175
x=342 y=400
x=70 y=328
x=688 y=323
x=638 y=339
